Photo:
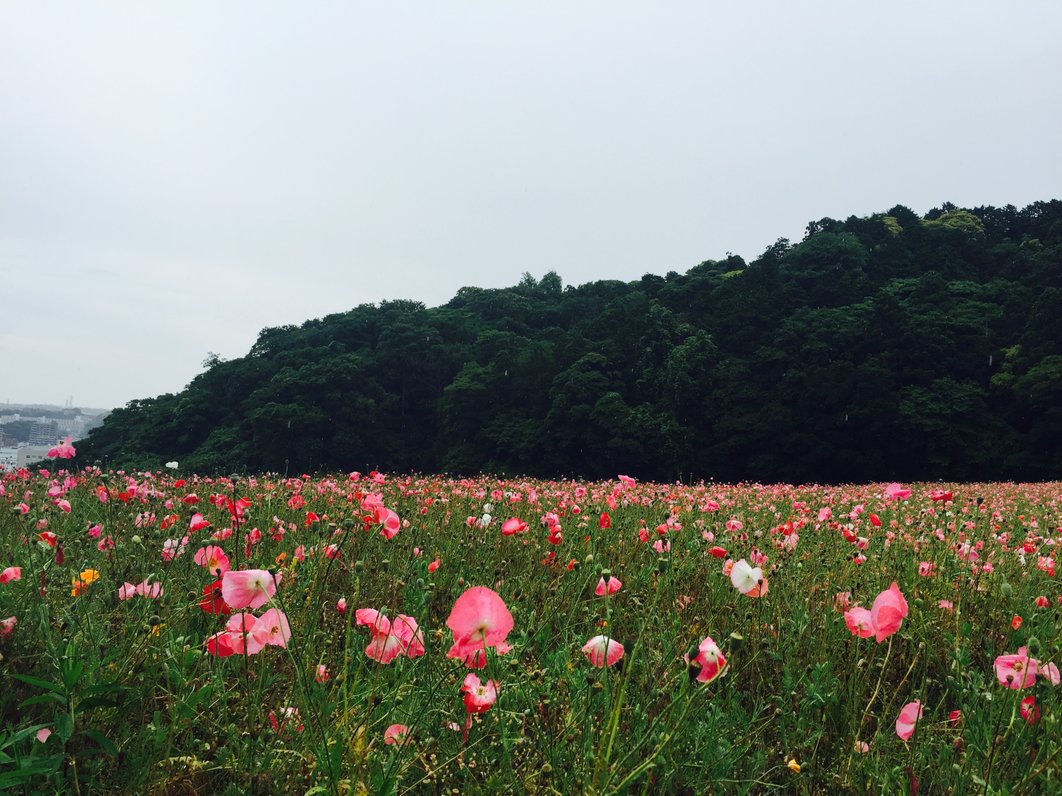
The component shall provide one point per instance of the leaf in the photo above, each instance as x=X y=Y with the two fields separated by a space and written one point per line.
x=73 y=673
x=40 y=683
x=105 y=743
x=42 y=698
x=64 y=726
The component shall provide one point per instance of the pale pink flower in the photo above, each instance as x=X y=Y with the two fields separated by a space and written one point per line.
x=213 y=558
x=396 y=734
x=247 y=588
x=611 y=586
x=909 y=716
x=603 y=651
x=479 y=619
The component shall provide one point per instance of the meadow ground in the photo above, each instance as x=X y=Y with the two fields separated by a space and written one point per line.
x=168 y=633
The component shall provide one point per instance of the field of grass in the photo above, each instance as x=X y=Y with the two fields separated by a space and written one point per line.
x=130 y=666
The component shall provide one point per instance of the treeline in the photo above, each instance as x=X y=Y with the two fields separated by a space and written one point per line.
x=892 y=346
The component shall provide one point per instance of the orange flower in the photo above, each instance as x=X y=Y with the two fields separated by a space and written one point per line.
x=1015 y=622
x=82 y=582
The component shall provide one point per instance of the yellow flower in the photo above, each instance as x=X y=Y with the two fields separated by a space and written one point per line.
x=794 y=766
x=89 y=575
x=157 y=629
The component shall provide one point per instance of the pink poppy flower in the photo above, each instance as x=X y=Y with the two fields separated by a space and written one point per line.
x=859 y=622
x=1049 y=672
x=150 y=590
x=396 y=734
x=955 y=718
x=862 y=747
x=10 y=574
x=888 y=612
x=286 y=714
x=1016 y=671
x=213 y=558
x=478 y=696
x=708 y=663
x=126 y=590
x=247 y=588
x=389 y=521
x=197 y=523
x=748 y=580
x=513 y=525
x=322 y=673
x=390 y=639
x=662 y=546
x=926 y=568
x=896 y=492
x=434 y=565
x=172 y=548
x=1029 y=710
x=603 y=651
x=272 y=628
x=479 y=619
x=238 y=637
x=909 y=716
x=64 y=450
x=341 y=606
x=7 y=626
x=43 y=734
x=611 y=586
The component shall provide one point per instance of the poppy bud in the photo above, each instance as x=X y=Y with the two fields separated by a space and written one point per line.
x=1006 y=589
x=359 y=566
x=59 y=556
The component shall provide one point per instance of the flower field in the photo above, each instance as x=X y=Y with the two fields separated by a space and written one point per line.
x=168 y=633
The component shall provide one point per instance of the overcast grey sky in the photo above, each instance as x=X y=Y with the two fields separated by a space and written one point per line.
x=175 y=178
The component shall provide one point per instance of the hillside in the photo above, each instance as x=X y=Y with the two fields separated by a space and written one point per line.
x=890 y=346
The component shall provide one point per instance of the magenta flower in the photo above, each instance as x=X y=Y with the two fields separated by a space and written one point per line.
x=1016 y=671
x=611 y=586
x=888 y=612
x=708 y=663
x=64 y=450
x=479 y=696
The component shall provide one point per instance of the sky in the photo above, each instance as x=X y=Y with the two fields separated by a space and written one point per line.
x=175 y=178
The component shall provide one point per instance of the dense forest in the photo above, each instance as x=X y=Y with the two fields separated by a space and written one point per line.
x=890 y=346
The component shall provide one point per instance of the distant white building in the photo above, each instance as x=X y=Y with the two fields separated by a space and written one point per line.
x=8 y=458
x=31 y=454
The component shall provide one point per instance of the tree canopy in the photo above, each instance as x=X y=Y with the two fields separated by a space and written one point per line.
x=888 y=346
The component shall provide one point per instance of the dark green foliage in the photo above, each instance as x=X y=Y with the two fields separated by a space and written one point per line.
x=890 y=346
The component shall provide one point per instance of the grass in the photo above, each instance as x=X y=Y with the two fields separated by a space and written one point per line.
x=136 y=704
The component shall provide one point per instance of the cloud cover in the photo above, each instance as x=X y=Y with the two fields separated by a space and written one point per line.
x=176 y=178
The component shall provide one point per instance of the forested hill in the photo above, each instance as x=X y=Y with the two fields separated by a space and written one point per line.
x=893 y=346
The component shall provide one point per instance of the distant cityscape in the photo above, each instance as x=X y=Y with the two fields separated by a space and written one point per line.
x=29 y=431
